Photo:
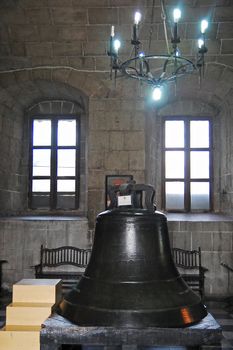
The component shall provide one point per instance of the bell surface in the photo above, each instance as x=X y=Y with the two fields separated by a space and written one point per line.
x=131 y=279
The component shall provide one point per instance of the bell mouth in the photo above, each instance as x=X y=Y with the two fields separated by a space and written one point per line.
x=125 y=305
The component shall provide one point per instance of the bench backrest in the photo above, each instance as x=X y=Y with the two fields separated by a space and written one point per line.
x=65 y=255
x=187 y=259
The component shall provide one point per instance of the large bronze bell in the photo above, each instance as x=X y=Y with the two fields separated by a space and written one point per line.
x=131 y=279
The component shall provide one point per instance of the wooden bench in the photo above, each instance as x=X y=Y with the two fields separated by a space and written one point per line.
x=190 y=268
x=52 y=259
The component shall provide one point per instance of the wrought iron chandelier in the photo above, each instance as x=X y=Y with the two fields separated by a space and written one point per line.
x=152 y=69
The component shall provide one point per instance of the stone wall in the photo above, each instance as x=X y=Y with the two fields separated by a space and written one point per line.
x=21 y=238
x=215 y=237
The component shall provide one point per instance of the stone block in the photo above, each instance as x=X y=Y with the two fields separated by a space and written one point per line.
x=39 y=49
x=90 y=3
x=123 y=3
x=225 y=30
x=96 y=160
x=137 y=160
x=138 y=120
x=4 y=50
x=203 y=240
x=191 y=226
x=223 y=14
x=69 y=15
x=60 y=74
x=38 y=15
x=60 y=3
x=24 y=32
x=118 y=121
x=98 y=33
x=94 y=197
x=222 y=241
x=99 y=140
x=71 y=33
x=73 y=48
x=117 y=161
x=116 y=141
x=102 y=15
x=96 y=179
x=193 y=14
x=182 y=239
x=134 y=140
x=227 y=46
x=15 y=16
x=226 y=60
x=33 y=3
x=95 y=48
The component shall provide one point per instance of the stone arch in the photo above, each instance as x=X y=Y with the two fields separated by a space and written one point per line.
x=17 y=102
x=212 y=99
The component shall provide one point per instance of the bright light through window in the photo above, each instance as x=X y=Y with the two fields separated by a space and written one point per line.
x=54 y=163
x=42 y=132
x=187 y=159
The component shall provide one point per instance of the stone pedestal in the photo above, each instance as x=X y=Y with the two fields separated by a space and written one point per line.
x=56 y=331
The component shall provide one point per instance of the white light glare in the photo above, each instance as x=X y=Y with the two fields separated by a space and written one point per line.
x=137 y=17
x=178 y=53
x=200 y=43
x=176 y=15
x=204 y=25
x=142 y=54
x=157 y=93
x=117 y=45
x=112 y=31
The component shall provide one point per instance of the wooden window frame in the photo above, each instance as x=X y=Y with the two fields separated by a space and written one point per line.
x=187 y=151
x=54 y=151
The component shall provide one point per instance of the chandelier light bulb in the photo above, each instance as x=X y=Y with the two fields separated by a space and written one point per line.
x=200 y=43
x=141 y=54
x=112 y=31
x=157 y=93
x=116 y=45
x=204 y=25
x=137 y=17
x=176 y=15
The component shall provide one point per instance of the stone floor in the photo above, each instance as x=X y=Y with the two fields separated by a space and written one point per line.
x=220 y=310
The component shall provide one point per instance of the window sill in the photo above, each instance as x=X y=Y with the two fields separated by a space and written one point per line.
x=199 y=217
x=44 y=218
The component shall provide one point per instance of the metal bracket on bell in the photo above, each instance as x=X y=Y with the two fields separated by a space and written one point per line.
x=136 y=193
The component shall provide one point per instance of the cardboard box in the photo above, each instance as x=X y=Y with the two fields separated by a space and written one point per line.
x=37 y=291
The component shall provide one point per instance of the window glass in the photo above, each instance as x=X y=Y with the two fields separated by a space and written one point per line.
x=66 y=160
x=66 y=201
x=199 y=165
x=200 y=195
x=41 y=185
x=174 y=133
x=199 y=133
x=41 y=132
x=174 y=164
x=65 y=185
x=41 y=162
x=66 y=132
x=175 y=195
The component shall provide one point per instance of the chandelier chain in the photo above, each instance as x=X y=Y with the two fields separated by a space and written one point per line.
x=164 y=19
